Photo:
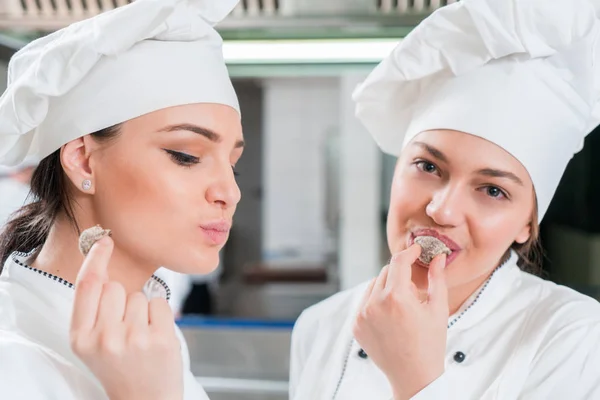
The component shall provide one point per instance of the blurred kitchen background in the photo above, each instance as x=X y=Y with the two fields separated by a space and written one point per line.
x=315 y=186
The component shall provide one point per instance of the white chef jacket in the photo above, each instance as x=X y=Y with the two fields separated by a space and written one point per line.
x=180 y=285
x=523 y=338
x=36 y=360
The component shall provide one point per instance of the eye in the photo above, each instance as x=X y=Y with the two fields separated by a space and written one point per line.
x=183 y=159
x=495 y=192
x=427 y=167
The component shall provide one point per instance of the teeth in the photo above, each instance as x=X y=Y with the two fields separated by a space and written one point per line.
x=431 y=247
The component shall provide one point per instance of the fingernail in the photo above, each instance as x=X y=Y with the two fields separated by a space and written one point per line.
x=443 y=260
x=103 y=242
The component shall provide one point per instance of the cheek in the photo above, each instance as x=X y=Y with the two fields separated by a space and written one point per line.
x=409 y=196
x=147 y=187
x=407 y=203
x=154 y=208
x=494 y=232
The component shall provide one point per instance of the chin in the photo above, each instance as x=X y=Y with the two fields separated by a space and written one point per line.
x=420 y=277
x=203 y=261
x=191 y=259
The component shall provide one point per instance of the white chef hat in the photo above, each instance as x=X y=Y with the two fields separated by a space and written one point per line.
x=523 y=74
x=28 y=162
x=139 y=58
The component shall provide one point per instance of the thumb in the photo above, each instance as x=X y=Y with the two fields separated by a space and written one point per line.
x=437 y=292
x=88 y=286
x=95 y=265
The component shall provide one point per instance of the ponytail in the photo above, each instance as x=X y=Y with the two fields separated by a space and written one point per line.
x=29 y=227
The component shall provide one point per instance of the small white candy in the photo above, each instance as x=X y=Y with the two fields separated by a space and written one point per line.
x=91 y=236
x=431 y=247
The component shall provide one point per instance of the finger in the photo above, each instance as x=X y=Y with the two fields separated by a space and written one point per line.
x=417 y=293
x=136 y=310
x=112 y=305
x=437 y=292
x=400 y=273
x=95 y=265
x=381 y=280
x=160 y=315
x=89 y=285
x=368 y=293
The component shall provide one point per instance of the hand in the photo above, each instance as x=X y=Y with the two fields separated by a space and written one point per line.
x=405 y=337
x=128 y=342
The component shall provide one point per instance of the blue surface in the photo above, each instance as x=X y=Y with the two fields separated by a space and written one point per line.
x=233 y=323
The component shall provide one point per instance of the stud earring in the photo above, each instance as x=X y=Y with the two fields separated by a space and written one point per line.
x=86 y=184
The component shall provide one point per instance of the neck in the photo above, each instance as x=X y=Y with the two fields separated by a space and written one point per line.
x=457 y=295
x=60 y=256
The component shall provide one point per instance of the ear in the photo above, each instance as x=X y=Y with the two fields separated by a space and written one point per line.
x=524 y=235
x=75 y=160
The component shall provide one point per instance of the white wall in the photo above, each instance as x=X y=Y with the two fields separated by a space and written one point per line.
x=307 y=120
x=360 y=228
x=299 y=114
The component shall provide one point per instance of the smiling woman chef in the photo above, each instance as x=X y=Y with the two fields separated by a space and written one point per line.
x=484 y=103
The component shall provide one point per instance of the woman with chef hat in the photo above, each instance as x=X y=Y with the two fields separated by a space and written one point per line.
x=484 y=104
x=138 y=129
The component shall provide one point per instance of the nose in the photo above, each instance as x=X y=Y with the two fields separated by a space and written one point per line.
x=447 y=206
x=224 y=190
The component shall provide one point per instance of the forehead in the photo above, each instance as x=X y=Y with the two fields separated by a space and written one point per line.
x=467 y=151
x=221 y=119
x=461 y=146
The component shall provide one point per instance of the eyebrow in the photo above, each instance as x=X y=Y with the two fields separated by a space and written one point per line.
x=490 y=172
x=207 y=133
x=496 y=173
x=432 y=151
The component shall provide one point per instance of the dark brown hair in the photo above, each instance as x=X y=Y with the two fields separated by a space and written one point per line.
x=531 y=253
x=28 y=228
